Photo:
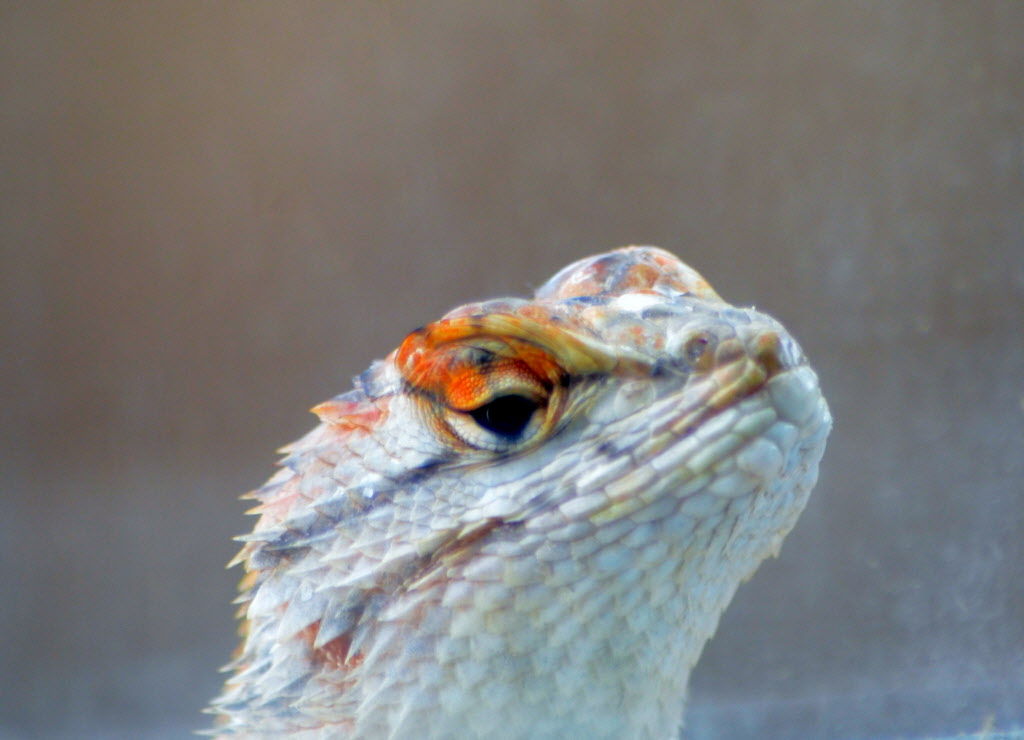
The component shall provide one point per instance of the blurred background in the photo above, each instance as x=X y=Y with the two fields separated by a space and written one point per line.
x=212 y=215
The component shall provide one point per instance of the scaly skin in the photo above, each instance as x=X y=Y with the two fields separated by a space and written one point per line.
x=526 y=521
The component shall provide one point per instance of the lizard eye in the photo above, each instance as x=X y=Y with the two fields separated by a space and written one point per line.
x=506 y=416
x=496 y=383
x=503 y=422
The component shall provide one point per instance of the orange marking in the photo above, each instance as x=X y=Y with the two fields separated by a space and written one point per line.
x=349 y=414
x=465 y=388
x=334 y=653
x=436 y=360
x=640 y=276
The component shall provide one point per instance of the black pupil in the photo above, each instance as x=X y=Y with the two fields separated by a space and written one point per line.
x=506 y=416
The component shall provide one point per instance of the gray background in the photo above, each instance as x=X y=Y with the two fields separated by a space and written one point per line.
x=213 y=214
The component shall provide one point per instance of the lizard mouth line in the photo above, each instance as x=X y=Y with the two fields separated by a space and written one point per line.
x=733 y=438
x=736 y=382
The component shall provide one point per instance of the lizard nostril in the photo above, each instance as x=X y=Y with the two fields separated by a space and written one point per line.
x=698 y=349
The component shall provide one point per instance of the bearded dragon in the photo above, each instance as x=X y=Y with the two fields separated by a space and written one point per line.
x=526 y=521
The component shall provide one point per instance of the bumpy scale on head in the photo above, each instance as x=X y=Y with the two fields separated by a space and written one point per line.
x=526 y=521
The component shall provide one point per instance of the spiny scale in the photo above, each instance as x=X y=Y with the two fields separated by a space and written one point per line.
x=526 y=521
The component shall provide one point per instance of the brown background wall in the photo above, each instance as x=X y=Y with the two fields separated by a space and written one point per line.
x=213 y=214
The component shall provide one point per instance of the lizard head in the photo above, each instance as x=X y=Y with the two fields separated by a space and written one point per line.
x=544 y=502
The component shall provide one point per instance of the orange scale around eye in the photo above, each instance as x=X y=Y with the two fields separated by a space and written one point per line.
x=538 y=363
x=443 y=359
x=465 y=387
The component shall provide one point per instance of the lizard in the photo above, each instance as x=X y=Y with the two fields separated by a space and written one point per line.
x=526 y=521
